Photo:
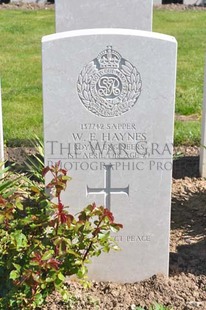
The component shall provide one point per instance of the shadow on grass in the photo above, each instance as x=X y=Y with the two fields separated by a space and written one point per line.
x=20 y=143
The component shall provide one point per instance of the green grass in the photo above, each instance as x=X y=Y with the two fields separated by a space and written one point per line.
x=187 y=133
x=20 y=69
x=188 y=28
x=20 y=64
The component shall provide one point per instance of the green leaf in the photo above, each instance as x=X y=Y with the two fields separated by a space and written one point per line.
x=73 y=253
x=65 y=295
x=103 y=236
x=66 y=178
x=6 y=185
x=36 y=277
x=116 y=248
x=47 y=255
x=61 y=276
x=19 y=205
x=43 y=286
x=82 y=272
x=14 y=274
x=114 y=228
x=106 y=248
x=49 y=279
x=18 y=267
x=1 y=218
x=58 y=283
x=19 y=240
x=39 y=299
x=35 y=189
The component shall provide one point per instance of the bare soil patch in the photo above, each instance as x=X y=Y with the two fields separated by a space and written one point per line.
x=187 y=118
x=185 y=289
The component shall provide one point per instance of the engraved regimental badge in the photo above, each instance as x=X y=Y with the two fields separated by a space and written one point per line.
x=109 y=85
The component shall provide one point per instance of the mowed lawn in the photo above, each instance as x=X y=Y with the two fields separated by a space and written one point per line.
x=20 y=70
x=189 y=29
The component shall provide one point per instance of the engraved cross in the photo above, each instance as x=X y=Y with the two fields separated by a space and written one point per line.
x=107 y=190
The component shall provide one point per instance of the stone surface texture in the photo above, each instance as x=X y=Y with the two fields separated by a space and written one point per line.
x=155 y=2
x=192 y=2
x=86 y=14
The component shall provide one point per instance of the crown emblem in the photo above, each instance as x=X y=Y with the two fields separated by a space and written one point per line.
x=109 y=58
x=109 y=85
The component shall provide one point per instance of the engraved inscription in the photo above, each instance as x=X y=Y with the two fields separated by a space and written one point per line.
x=109 y=85
x=134 y=238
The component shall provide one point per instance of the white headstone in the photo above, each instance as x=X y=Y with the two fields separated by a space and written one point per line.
x=189 y=2
x=203 y=135
x=87 y=14
x=108 y=117
x=155 y=2
x=1 y=130
x=193 y=2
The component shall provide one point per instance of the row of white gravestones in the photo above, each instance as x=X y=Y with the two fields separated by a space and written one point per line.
x=108 y=117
